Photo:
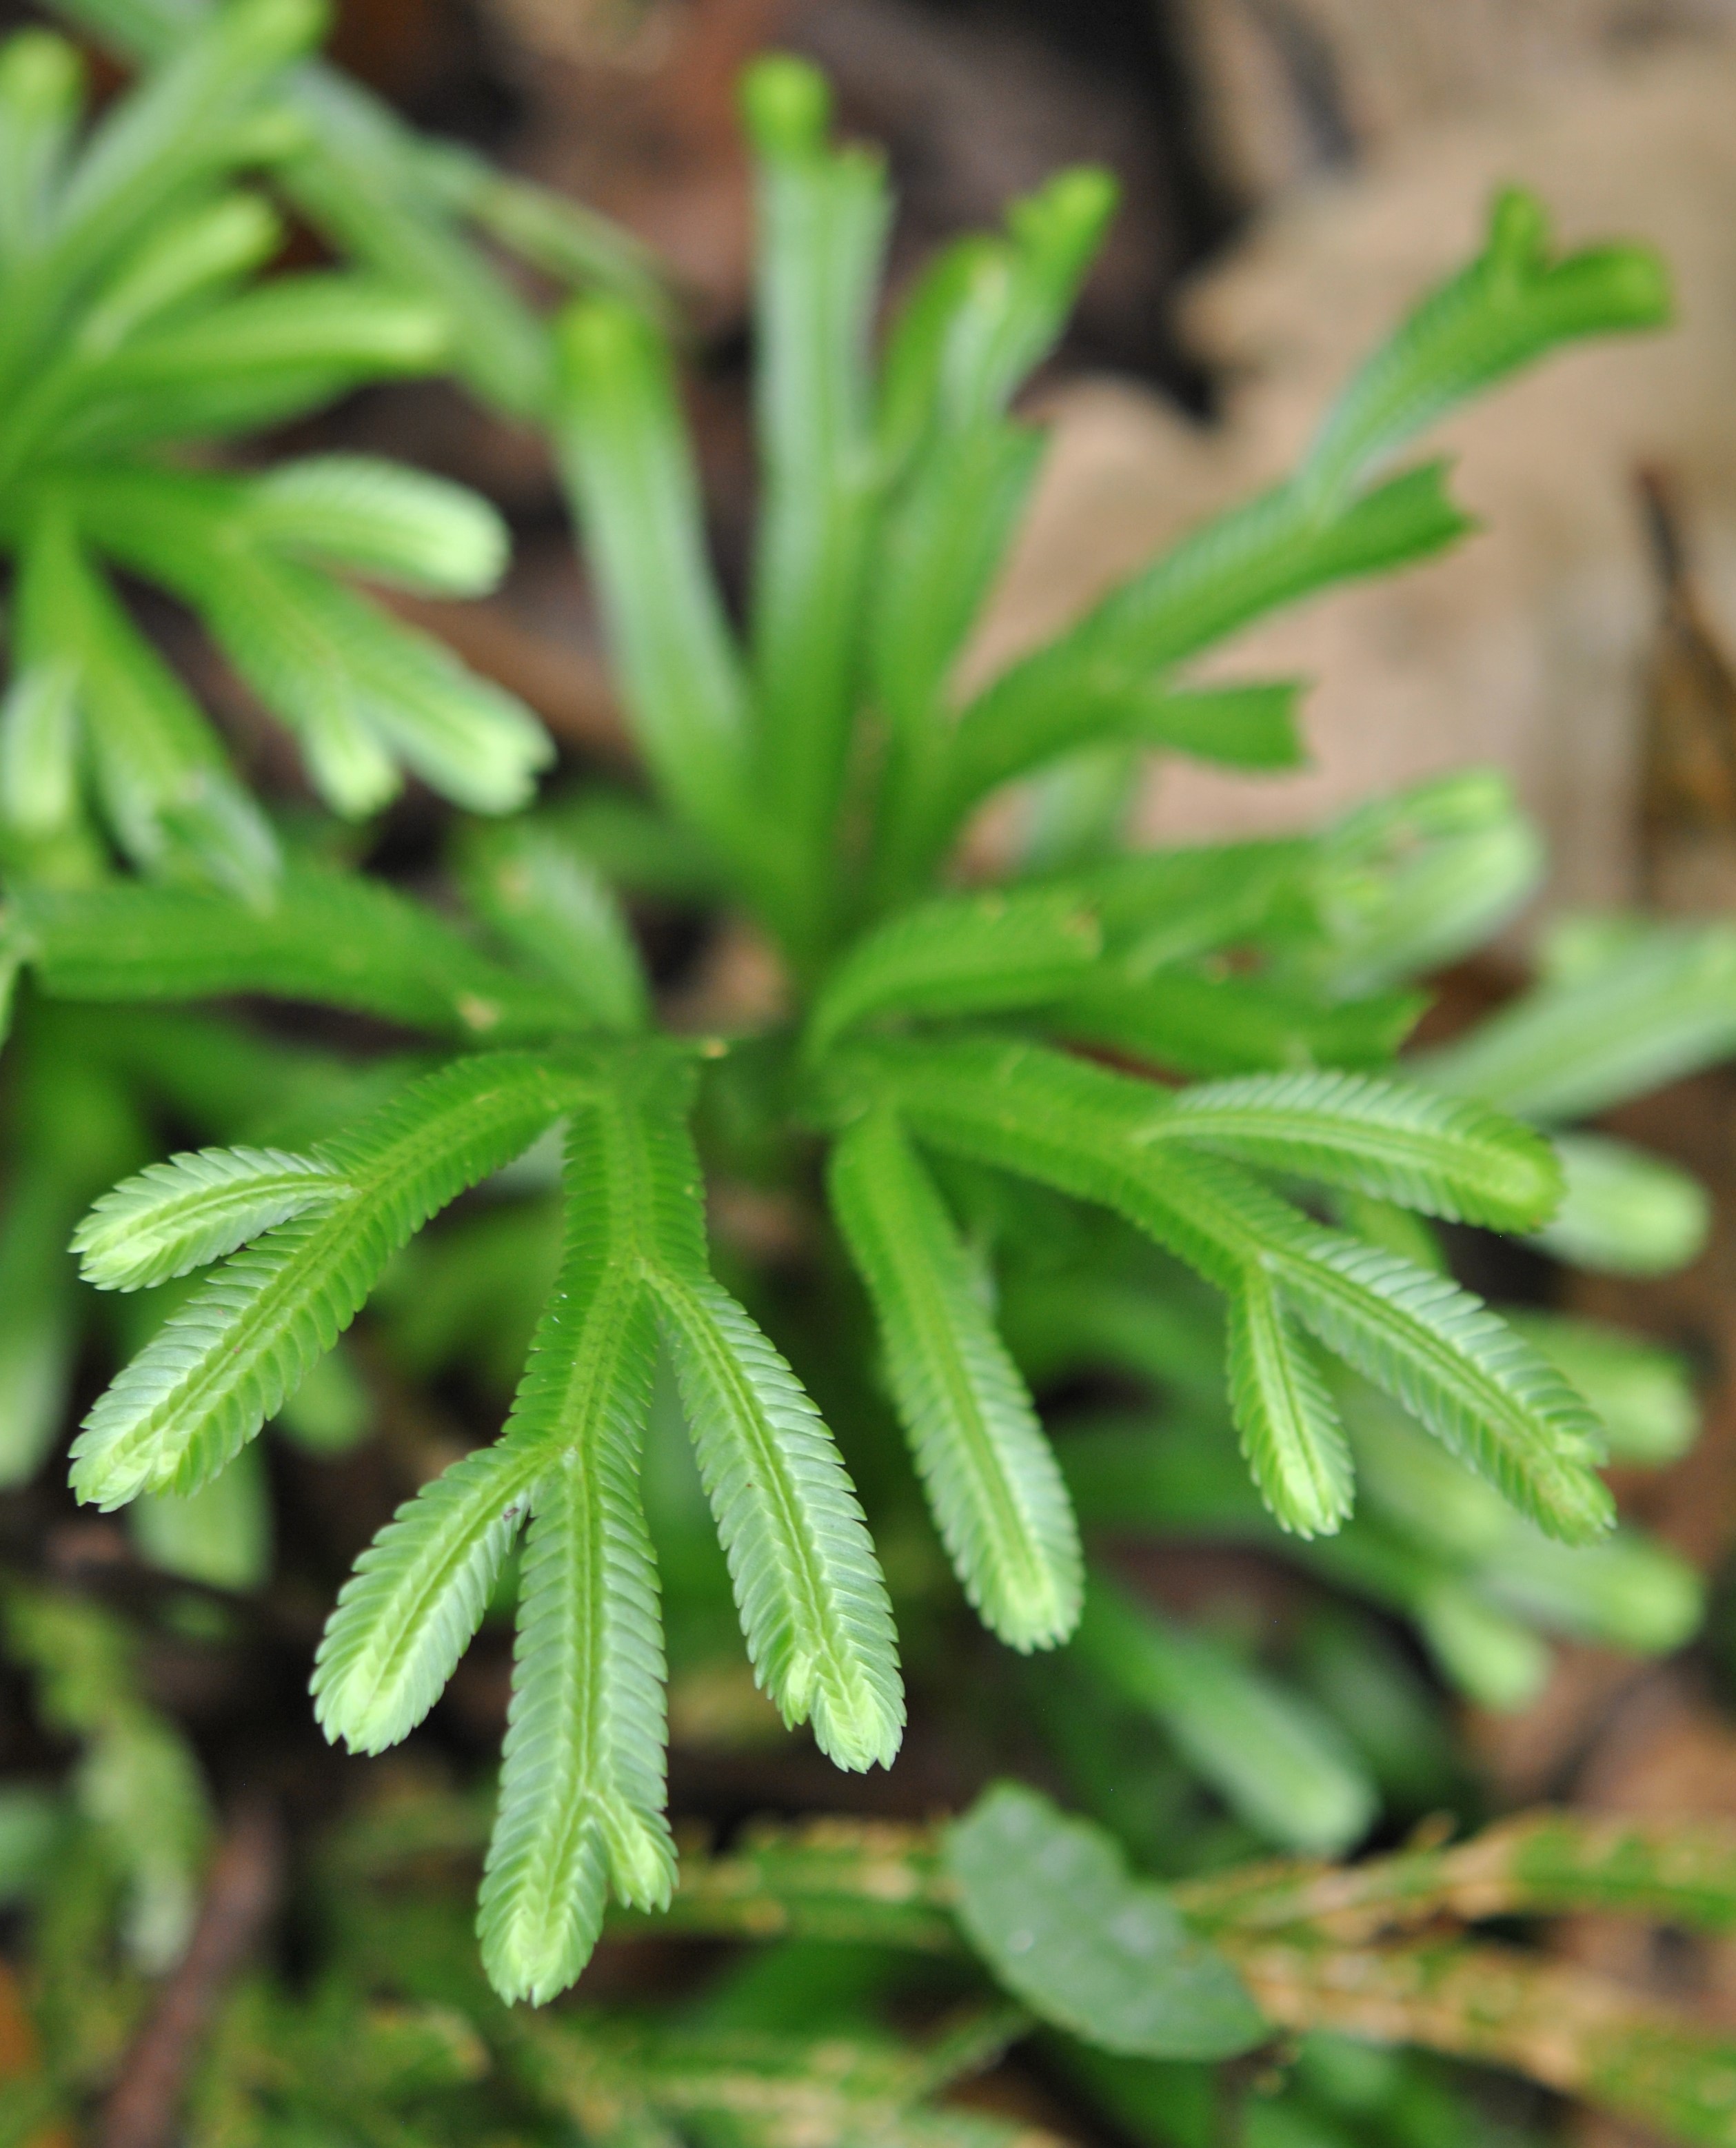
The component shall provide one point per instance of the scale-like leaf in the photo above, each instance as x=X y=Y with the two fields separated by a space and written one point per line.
x=183 y=1214
x=985 y=1462
x=961 y=955
x=1447 y=1158
x=383 y=519
x=808 y=1587
x=223 y=1365
x=1290 y=1436
x=332 y=937
x=1049 y=1905
x=417 y=1596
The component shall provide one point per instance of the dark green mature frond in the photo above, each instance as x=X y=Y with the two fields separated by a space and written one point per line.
x=226 y=1362
x=985 y=1462
x=1455 y=1159
x=325 y=936
x=823 y=215
x=184 y=1214
x=980 y=954
x=629 y=471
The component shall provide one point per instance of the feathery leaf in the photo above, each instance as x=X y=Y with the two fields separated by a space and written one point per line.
x=582 y=1788
x=808 y=1587
x=205 y=1384
x=1455 y=1159
x=183 y=1214
x=1290 y=1436
x=416 y=1598
x=991 y=1475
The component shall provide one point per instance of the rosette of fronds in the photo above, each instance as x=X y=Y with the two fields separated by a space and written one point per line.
x=951 y=1052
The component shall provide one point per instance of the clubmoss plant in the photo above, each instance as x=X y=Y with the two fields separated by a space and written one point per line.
x=1157 y=1080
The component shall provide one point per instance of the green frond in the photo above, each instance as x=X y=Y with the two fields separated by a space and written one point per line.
x=205 y=251
x=1252 y=560
x=1198 y=1021
x=1662 y=1004
x=1290 y=1436
x=39 y=742
x=581 y=1785
x=629 y=470
x=223 y=1365
x=42 y=81
x=389 y=522
x=813 y=1605
x=1483 y=1391
x=550 y=903
x=183 y=1214
x=960 y=955
x=582 y=1788
x=334 y=938
x=822 y=217
x=984 y=311
x=991 y=1475
x=168 y=791
x=1625 y=1211
x=1405 y=885
x=1098 y=1135
x=1507 y=308
x=417 y=1596
x=1447 y=1158
x=1282 y=1765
